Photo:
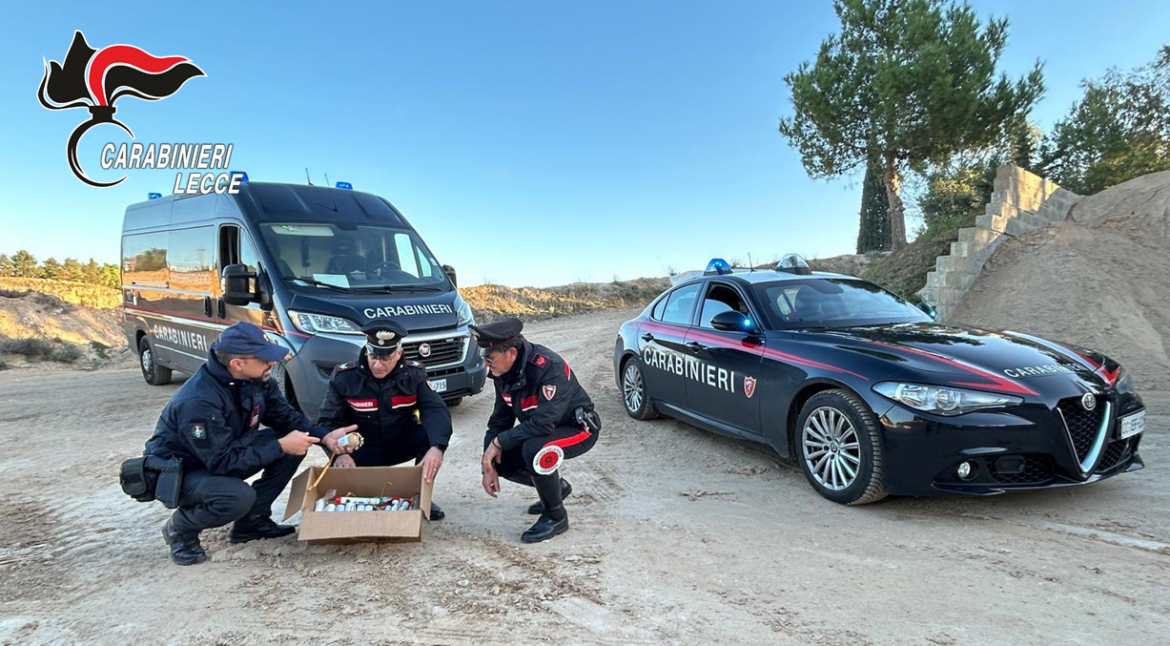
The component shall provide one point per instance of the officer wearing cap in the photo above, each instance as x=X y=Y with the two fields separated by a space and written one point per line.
x=542 y=416
x=213 y=424
x=398 y=415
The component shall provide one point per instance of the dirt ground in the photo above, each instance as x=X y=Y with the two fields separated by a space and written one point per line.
x=678 y=537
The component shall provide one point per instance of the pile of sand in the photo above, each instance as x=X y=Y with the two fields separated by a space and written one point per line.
x=97 y=333
x=1100 y=279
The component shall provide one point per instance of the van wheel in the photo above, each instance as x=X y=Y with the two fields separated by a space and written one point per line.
x=452 y=403
x=154 y=374
x=839 y=448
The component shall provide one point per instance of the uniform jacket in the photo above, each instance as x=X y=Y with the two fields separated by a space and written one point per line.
x=384 y=408
x=214 y=418
x=539 y=394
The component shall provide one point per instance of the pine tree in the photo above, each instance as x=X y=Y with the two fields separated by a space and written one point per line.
x=51 y=269
x=7 y=267
x=72 y=270
x=25 y=265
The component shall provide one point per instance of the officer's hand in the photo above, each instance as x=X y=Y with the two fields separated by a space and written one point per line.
x=343 y=462
x=491 y=455
x=431 y=463
x=491 y=482
x=297 y=442
x=332 y=438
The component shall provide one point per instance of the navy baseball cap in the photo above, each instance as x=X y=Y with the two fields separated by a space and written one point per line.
x=246 y=338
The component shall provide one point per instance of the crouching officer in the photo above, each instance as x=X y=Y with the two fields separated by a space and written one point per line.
x=542 y=416
x=382 y=393
x=213 y=424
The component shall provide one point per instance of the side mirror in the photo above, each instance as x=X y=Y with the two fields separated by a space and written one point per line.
x=927 y=309
x=450 y=271
x=235 y=285
x=732 y=322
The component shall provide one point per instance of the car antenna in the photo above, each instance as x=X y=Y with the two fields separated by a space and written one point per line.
x=327 y=182
x=307 y=179
x=751 y=265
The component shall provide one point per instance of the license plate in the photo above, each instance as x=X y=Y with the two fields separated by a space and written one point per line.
x=438 y=385
x=1133 y=424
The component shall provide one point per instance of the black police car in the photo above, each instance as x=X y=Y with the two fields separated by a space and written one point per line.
x=868 y=394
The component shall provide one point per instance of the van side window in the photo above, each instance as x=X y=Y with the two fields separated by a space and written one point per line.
x=235 y=249
x=144 y=259
x=189 y=259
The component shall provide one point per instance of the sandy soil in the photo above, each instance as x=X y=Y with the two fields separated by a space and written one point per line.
x=679 y=537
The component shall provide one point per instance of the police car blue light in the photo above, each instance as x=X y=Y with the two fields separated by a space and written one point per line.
x=154 y=196
x=242 y=174
x=345 y=185
x=718 y=266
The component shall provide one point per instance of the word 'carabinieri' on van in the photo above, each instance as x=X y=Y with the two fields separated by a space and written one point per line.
x=137 y=156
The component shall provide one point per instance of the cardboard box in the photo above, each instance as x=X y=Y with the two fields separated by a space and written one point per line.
x=340 y=528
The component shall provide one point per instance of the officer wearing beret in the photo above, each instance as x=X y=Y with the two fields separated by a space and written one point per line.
x=542 y=416
x=399 y=416
x=213 y=424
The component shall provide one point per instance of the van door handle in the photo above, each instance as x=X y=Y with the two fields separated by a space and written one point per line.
x=647 y=337
x=222 y=309
x=207 y=306
x=696 y=346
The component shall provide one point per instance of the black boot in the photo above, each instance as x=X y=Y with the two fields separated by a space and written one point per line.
x=537 y=507
x=437 y=512
x=253 y=527
x=185 y=548
x=554 y=520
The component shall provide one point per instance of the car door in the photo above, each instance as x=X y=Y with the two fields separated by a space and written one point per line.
x=722 y=382
x=661 y=345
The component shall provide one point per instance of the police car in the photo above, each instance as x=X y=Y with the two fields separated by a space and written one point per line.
x=868 y=394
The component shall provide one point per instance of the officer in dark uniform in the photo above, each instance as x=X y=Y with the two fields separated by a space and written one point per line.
x=542 y=416
x=399 y=416
x=213 y=424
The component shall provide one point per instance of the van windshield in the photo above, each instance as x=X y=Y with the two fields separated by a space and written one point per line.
x=357 y=257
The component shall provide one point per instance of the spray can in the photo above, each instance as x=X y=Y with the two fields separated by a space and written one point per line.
x=320 y=506
x=331 y=507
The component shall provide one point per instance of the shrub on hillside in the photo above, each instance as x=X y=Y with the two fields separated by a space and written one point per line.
x=36 y=350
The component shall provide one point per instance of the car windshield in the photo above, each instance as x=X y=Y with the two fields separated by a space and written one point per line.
x=833 y=303
x=355 y=257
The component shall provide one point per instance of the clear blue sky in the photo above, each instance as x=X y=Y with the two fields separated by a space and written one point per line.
x=592 y=139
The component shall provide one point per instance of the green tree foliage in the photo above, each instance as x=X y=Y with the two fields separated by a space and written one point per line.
x=958 y=190
x=72 y=270
x=25 y=265
x=51 y=269
x=111 y=276
x=7 y=267
x=874 y=234
x=907 y=81
x=92 y=272
x=1119 y=130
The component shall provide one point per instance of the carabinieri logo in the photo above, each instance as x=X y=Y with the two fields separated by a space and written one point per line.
x=113 y=72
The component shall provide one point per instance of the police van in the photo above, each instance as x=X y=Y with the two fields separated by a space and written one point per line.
x=308 y=264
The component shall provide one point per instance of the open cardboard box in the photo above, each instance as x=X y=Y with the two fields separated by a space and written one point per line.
x=340 y=528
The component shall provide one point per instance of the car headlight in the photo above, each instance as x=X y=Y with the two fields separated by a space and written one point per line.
x=1123 y=384
x=317 y=323
x=463 y=315
x=941 y=400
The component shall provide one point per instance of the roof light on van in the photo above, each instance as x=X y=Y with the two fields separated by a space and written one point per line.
x=233 y=173
x=717 y=266
x=154 y=196
x=345 y=185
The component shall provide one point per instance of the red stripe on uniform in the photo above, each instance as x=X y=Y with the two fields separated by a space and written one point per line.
x=571 y=440
x=528 y=402
x=405 y=400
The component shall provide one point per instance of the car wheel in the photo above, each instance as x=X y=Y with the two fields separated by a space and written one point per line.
x=452 y=403
x=637 y=402
x=154 y=374
x=839 y=448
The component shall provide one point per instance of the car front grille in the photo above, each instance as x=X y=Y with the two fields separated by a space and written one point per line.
x=442 y=351
x=1115 y=453
x=1082 y=424
x=1038 y=468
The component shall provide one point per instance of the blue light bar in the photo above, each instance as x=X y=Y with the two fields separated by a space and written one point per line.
x=718 y=266
x=233 y=173
x=154 y=196
x=345 y=185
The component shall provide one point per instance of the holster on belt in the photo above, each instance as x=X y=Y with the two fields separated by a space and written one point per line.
x=587 y=419
x=150 y=478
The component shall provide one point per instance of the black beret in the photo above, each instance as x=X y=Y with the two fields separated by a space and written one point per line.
x=383 y=336
x=496 y=333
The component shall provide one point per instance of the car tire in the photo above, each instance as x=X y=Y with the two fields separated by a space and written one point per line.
x=452 y=403
x=838 y=446
x=154 y=374
x=634 y=397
